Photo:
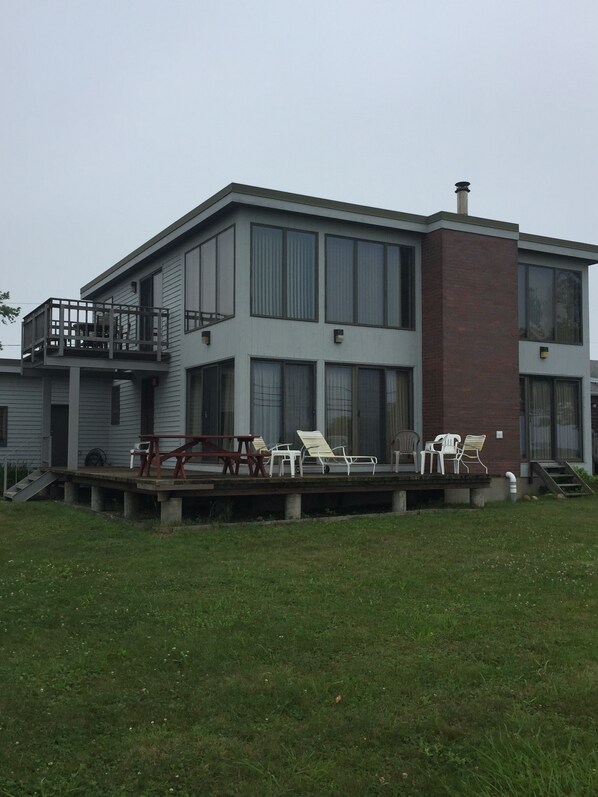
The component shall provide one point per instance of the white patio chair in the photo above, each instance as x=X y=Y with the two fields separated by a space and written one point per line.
x=405 y=444
x=472 y=445
x=444 y=446
x=316 y=447
x=140 y=448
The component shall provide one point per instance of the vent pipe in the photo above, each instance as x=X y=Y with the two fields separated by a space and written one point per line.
x=462 y=189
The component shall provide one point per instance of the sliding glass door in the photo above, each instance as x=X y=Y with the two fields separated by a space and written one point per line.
x=550 y=419
x=282 y=399
x=210 y=399
x=366 y=407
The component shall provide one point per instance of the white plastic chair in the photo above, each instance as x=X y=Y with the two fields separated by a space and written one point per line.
x=140 y=448
x=315 y=446
x=444 y=446
x=405 y=444
x=472 y=445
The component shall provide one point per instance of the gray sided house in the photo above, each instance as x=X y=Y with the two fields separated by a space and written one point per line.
x=266 y=312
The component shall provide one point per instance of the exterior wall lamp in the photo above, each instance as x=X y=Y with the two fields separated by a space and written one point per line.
x=206 y=337
x=134 y=286
x=544 y=352
x=339 y=335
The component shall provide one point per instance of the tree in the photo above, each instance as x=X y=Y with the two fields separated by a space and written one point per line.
x=7 y=313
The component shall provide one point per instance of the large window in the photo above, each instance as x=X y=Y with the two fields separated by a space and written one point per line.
x=369 y=283
x=549 y=304
x=3 y=427
x=282 y=399
x=211 y=399
x=550 y=419
x=366 y=407
x=283 y=273
x=210 y=281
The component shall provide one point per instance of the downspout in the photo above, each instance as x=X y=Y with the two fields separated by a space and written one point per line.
x=512 y=484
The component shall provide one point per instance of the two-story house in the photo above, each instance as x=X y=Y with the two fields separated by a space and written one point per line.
x=268 y=312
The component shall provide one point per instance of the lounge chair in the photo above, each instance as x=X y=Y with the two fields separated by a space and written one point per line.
x=316 y=447
x=472 y=445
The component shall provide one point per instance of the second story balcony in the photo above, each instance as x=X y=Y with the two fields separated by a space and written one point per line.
x=63 y=332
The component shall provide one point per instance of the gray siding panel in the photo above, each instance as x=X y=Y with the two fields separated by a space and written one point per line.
x=23 y=398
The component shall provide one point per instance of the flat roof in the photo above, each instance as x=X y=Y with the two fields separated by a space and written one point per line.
x=237 y=194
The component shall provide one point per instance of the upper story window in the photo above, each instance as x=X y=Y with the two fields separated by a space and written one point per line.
x=369 y=283
x=283 y=273
x=549 y=304
x=210 y=281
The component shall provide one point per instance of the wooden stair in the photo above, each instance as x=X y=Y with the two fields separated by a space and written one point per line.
x=561 y=479
x=31 y=485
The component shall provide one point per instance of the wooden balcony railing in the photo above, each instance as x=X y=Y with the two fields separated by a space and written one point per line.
x=71 y=326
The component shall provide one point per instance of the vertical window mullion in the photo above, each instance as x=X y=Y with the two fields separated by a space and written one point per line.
x=283 y=281
x=355 y=285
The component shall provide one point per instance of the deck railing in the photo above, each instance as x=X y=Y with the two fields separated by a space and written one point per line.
x=68 y=326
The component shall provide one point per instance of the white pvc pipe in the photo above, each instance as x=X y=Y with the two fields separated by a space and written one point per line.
x=512 y=484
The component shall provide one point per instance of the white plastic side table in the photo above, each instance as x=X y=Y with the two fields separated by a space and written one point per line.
x=286 y=455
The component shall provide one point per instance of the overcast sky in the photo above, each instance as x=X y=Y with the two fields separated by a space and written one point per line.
x=119 y=116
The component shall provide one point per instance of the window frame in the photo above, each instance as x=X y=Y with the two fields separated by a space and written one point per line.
x=284 y=276
x=523 y=304
x=283 y=363
x=355 y=369
x=225 y=366
x=406 y=306
x=187 y=324
x=524 y=414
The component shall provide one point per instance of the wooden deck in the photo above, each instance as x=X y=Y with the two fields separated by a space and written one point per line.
x=170 y=492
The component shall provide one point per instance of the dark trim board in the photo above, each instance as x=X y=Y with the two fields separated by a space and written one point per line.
x=170 y=492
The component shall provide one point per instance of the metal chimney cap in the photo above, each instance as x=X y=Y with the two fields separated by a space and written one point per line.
x=462 y=186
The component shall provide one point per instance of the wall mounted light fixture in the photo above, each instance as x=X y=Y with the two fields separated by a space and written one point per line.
x=339 y=335
x=544 y=352
x=206 y=337
x=134 y=286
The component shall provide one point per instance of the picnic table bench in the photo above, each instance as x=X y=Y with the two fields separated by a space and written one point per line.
x=212 y=447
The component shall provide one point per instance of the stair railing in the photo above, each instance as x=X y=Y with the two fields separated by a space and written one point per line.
x=23 y=461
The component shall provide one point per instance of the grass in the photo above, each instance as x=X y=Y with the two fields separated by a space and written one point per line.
x=449 y=653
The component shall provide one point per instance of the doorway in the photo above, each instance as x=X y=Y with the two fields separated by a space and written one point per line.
x=59 y=430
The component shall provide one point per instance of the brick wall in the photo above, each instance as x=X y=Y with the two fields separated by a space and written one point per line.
x=471 y=342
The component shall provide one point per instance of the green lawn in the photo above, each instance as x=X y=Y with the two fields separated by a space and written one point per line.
x=450 y=653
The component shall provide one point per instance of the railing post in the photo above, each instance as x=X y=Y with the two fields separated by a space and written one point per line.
x=159 y=336
x=111 y=329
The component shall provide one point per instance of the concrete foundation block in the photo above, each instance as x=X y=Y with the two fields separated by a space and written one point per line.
x=292 y=507
x=71 y=493
x=477 y=498
x=131 y=505
x=399 y=501
x=98 y=497
x=171 y=512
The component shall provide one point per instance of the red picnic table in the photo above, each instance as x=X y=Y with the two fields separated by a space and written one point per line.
x=212 y=446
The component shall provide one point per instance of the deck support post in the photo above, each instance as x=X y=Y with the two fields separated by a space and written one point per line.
x=74 y=392
x=98 y=495
x=171 y=512
x=476 y=498
x=130 y=505
x=71 y=493
x=399 y=501
x=292 y=506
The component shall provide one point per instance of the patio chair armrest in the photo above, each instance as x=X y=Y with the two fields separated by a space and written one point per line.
x=341 y=449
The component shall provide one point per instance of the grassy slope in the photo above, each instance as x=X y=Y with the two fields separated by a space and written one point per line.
x=444 y=654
